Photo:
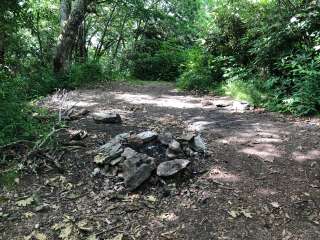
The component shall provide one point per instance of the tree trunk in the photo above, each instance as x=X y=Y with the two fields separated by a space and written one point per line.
x=81 y=44
x=2 y=51
x=65 y=9
x=68 y=35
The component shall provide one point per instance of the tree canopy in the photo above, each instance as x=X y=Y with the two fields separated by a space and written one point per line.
x=264 y=51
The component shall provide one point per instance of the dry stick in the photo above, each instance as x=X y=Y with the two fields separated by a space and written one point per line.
x=15 y=143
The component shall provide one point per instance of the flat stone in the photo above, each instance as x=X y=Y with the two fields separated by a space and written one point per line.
x=175 y=146
x=108 y=152
x=121 y=137
x=116 y=161
x=78 y=135
x=187 y=137
x=206 y=103
x=78 y=114
x=129 y=153
x=170 y=168
x=198 y=144
x=137 y=169
x=106 y=117
x=165 y=138
x=147 y=136
x=241 y=106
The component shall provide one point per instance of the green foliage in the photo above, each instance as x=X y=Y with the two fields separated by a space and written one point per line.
x=7 y=178
x=85 y=74
x=17 y=121
x=201 y=70
x=156 y=60
x=266 y=62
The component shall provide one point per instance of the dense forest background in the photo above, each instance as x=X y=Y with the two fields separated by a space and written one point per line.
x=262 y=51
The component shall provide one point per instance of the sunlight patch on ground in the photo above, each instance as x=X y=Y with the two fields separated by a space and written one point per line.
x=266 y=151
x=223 y=176
x=266 y=191
x=302 y=157
x=181 y=102
x=199 y=125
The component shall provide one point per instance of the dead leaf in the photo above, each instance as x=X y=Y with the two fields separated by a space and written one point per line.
x=92 y=237
x=275 y=204
x=100 y=159
x=28 y=214
x=118 y=237
x=36 y=236
x=25 y=202
x=246 y=213
x=83 y=225
x=151 y=198
x=234 y=213
x=66 y=231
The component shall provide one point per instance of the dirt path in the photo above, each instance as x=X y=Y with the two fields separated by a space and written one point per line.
x=261 y=180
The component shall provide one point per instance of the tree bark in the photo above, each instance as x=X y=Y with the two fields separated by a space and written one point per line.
x=2 y=51
x=68 y=35
x=65 y=9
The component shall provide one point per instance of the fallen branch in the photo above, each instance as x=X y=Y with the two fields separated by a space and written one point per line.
x=16 y=143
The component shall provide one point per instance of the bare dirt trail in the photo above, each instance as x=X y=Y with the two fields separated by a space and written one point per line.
x=261 y=180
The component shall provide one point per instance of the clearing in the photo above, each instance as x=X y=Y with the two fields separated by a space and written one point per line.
x=260 y=180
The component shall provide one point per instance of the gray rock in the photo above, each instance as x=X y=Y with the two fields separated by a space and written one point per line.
x=170 y=154
x=121 y=137
x=241 y=106
x=175 y=146
x=165 y=138
x=206 y=103
x=187 y=137
x=95 y=172
x=106 y=117
x=198 y=144
x=189 y=152
x=147 y=136
x=116 y=161
x=137 y=169
x=129 y=153
x=108 y=152
x=170 y=168
x=74 y=115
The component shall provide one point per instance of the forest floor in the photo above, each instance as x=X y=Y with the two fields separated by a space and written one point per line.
x=260 y=180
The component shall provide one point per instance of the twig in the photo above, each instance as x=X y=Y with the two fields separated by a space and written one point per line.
x=16 y=143
x=38 y=145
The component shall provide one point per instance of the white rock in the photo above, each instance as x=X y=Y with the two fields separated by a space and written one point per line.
x=147 y=136
x=95 y=172
x=106 y=117
x=187 y=137
x=175 y=146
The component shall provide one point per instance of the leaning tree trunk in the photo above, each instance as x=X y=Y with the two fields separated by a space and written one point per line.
x=68 y=35
x=2 y=51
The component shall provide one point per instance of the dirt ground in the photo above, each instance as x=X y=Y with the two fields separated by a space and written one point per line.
x=260 y=180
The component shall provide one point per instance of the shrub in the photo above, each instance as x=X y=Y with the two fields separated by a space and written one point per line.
x=86 y=73
x=201 y=70
x=154 y=60
x=16 y=121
